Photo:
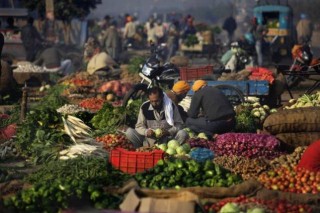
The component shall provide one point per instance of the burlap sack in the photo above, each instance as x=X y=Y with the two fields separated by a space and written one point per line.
x=180 y=61
x=295 y=139
x=305 y=119
x=310 y=199
x=248 y=188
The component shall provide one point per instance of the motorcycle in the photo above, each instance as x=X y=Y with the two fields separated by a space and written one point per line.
x=237 y=58
x=153 y=73
x=303 y=62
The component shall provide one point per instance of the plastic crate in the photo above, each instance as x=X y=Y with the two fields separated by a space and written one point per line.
x=133 y=162
x=194 y=73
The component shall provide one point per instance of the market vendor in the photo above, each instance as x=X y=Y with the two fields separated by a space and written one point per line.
x=310 y=159
x=54 y=60
x=210 y=111
x=98 y=61
x=157 y=113
x=178 y=92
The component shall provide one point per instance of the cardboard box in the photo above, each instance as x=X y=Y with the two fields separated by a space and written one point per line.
x=183 y=202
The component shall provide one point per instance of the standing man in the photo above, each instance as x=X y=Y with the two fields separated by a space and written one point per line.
x=304 y=28
x=210 y=111
x=129 y=32
x=112 y=41
x=157 y=113
x=259 y=31
x=230 y=25
x=173 y=38
x=50 y=28
x=31 y=39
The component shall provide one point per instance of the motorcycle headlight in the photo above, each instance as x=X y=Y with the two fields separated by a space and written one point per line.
x=146 y=70
x=305 y=56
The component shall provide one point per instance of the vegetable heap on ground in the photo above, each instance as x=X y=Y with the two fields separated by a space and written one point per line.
x=176 y=173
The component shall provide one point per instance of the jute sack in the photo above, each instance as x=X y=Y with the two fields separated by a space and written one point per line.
x=310 y=199
x=248 y=188
x=179 y=61
x=295 y=139
x=305 y=119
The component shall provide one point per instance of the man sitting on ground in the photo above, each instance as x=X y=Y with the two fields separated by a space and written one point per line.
x=157 y=113
x=210 y=111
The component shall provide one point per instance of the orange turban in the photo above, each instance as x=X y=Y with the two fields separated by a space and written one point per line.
x=198 y=84
x=181 y=87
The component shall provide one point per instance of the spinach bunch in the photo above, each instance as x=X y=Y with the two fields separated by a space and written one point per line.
x=57 y=184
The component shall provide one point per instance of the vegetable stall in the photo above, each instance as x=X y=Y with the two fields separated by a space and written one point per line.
x=70 y=153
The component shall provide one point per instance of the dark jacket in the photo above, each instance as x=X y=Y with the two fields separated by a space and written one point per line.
x=30 y=36
x=214 y=104
x=230 y=25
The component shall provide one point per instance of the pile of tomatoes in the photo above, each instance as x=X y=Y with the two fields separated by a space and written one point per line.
x=112 y=141
x=93 y=104
x=295 y=180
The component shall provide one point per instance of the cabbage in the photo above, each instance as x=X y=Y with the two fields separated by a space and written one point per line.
x=171 y=151
x=230 y=207
x=187 y=129
x=163 y=147
x=256 y=210
x=191 y=135
x=186 y=147
x=173 y=144
x=180 y=150
x=202 y=135
x=158 y=133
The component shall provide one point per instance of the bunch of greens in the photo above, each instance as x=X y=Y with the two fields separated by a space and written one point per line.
x=135 y=63
x=60 y=183
x=14 y=116
x=245 y=122
x=53 y=99
x=40 y=137
x=191 y=40
x=110 y=118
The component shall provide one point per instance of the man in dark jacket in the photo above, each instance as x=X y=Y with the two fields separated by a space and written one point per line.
x=210 y=111
x=31 y=39
x=230 y=25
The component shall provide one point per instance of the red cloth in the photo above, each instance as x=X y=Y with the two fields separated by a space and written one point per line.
x=310 y=159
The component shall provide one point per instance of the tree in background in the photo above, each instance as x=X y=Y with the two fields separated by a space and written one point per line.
x=64 y=10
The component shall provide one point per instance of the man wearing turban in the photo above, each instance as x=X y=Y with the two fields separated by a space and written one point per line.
x=177 y=94
x=217 y=114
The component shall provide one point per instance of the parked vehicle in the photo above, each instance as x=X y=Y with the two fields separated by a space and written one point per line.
x=303 y=62
x=153 y=73
x=279 y=20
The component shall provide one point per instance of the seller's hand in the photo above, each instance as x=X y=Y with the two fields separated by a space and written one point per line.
x=150 y=133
